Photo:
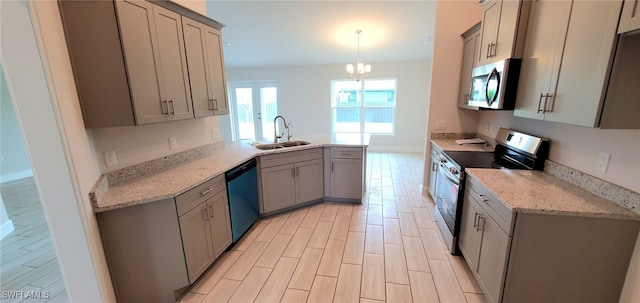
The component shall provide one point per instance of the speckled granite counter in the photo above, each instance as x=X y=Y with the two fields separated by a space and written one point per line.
x=451 y=145
x=175 y=180
x=538 y=192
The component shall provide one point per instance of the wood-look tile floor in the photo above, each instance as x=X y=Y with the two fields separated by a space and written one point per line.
x=386 y=249
x=28 y=262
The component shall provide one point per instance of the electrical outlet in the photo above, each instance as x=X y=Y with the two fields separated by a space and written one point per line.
x=172 y=142
x=441 y=125
x=603 y=161
x=215 y=134
x=110 y=158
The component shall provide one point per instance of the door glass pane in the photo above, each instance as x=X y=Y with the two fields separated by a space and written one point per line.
x=246 y=129
x=268 y=109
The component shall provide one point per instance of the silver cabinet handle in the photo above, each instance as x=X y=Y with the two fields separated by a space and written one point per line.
x=488 y=51
x=482 y=198
x=173 y=109
x=332 y=165
x=494 y=49
x=205 y=215
x=206 y=191
x=547 y=96
x=210 y=104
x=475 y=220
x=165 y=107
x=540 y=102
x=480 y=226
x=211 y=210
x=215 y=104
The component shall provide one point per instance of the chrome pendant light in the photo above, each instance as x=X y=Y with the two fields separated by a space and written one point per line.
x=360 y=70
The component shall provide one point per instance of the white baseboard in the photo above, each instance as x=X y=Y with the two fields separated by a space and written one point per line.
x=6 y=229
x=396 y=149
x=16 y=176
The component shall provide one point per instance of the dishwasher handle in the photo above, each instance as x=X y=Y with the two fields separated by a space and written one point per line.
x=240 y=169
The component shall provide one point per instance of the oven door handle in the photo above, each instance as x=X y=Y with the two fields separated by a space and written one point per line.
x=449 y=176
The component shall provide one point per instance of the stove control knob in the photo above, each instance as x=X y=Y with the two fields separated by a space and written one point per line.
x=453 y=170
x=443 y=160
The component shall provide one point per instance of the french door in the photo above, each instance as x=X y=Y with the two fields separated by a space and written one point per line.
x=254 y=105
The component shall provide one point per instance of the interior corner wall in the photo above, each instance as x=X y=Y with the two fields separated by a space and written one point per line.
x=304 y=94
x=15 y=163
x=452 y=19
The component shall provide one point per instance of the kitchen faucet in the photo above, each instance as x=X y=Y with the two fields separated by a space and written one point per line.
x=275 y=129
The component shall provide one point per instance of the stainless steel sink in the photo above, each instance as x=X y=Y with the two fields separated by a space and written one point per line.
x=281 y=145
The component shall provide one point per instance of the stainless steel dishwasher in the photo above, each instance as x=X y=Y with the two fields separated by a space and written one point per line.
x=242 y=187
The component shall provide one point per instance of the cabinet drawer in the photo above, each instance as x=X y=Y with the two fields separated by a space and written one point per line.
x=346 y=153
x=199 y=194
x=290 y=157
x=498 y=211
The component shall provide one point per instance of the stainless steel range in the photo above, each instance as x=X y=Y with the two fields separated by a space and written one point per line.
x=514 y=150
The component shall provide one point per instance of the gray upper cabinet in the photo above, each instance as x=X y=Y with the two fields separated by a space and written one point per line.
x=470 y=50
x=503 y=29
x=130 y=63
x=206 y=68
x=630 y=18
x=155 y=60
x=566 y=61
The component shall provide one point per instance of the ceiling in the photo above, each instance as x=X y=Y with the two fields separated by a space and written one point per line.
x=290 y=33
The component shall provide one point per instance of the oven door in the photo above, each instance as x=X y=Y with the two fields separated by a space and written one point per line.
x=447 y=190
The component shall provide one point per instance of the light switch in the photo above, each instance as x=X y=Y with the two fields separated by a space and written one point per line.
x=172 y=142
x=603 y=161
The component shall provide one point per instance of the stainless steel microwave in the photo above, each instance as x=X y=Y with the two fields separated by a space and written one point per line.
x=494 y=85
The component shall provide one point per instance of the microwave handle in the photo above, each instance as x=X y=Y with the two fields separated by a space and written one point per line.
x=486 y=89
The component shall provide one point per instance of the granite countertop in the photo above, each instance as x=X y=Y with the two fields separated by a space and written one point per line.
x=537 y=192
x=175 y=180
x=451 y=145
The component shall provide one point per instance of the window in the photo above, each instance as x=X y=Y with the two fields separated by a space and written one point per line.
x=365 y=106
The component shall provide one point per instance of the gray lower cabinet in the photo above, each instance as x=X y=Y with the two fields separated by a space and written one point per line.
x=531 y=257
x=157 y=249
x=346 y=175
x=291 y=178
x=206 y=233
x=144 y=252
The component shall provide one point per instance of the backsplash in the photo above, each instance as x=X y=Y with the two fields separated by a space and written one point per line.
x=614 y=193
x=452 y=136
x=149 y=167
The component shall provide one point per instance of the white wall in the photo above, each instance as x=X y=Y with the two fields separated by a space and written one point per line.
x=15 y=160
x=452 y=19
x=578 y=147
x=70 y=218
x=304 y=94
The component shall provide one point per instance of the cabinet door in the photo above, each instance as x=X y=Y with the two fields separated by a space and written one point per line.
x=470 y=237
x=219 y=222
x=543 y=51
x=630 y=17
x=173 y=64
x=490 y=23
x=492 y=259
x=433 y=176
x=346 y=178
x=196 y=240
x=506 y=35
x=194 y=44
x=585 y=62
x=278 y=187
x=469 y=51
x=137 y=32
x=309 y=181
x=217 y=77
